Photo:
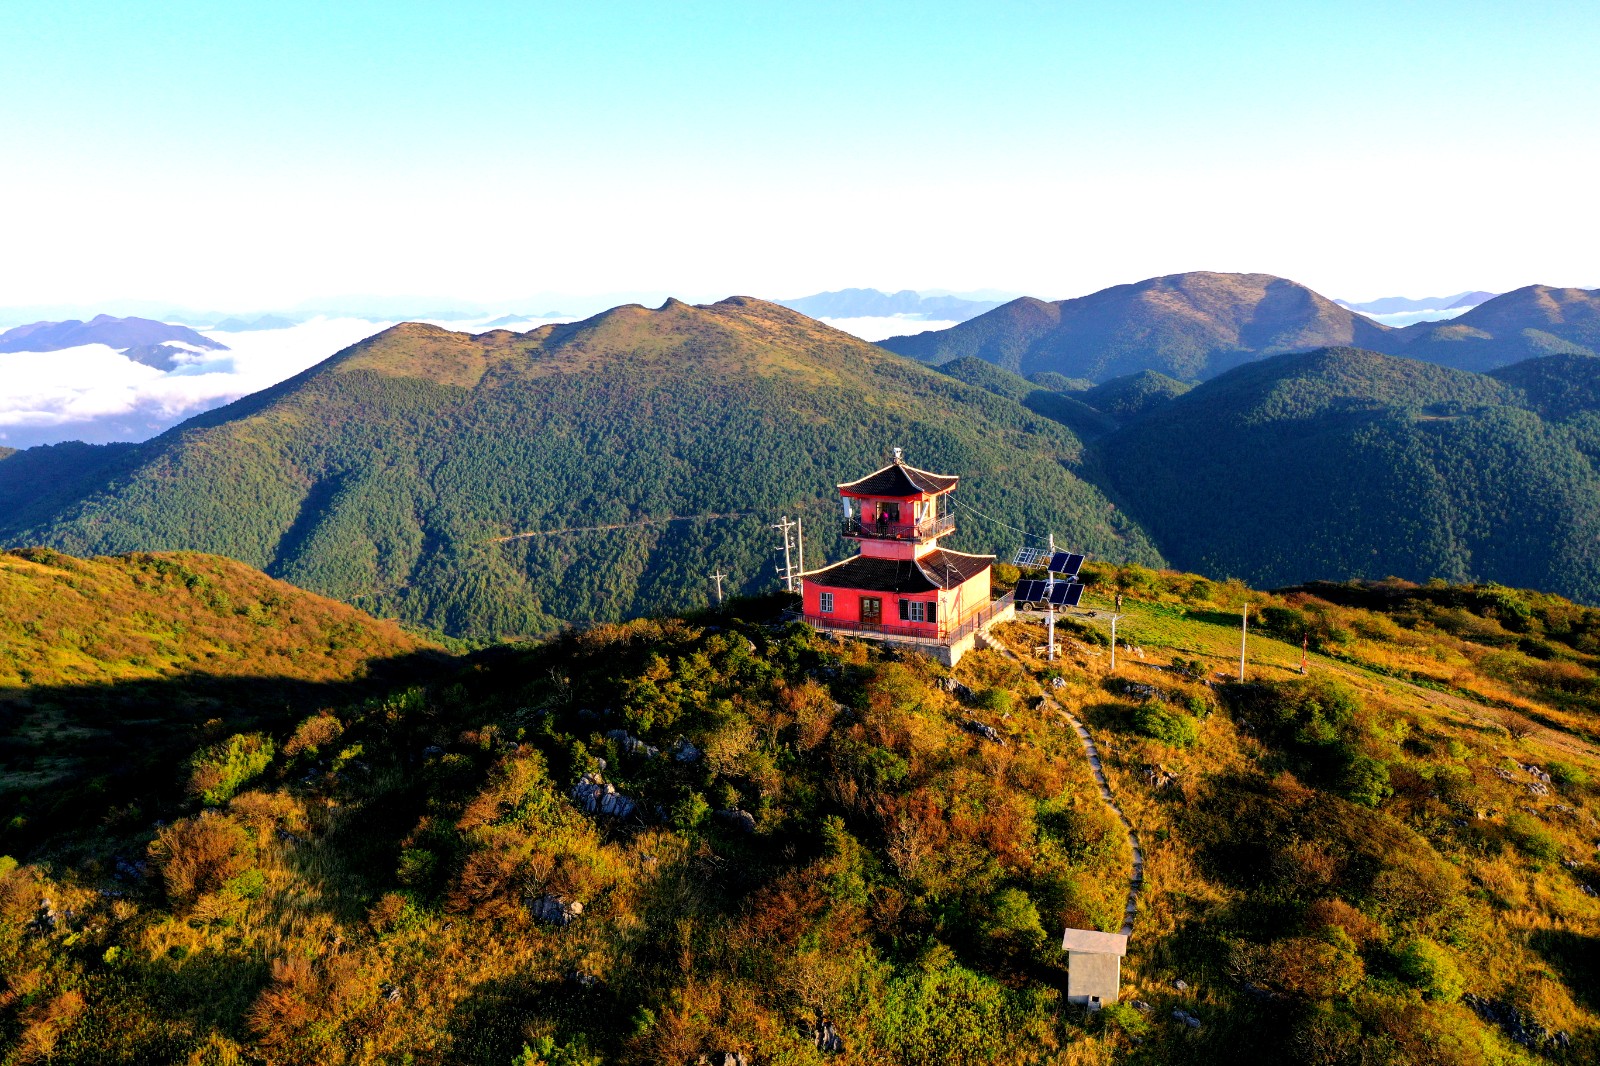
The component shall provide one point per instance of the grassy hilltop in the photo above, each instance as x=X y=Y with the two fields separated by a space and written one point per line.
x=1383 y=861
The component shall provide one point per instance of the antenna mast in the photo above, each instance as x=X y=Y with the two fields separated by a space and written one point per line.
x=717 y=577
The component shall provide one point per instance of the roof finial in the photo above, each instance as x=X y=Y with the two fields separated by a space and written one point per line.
x=899 y=455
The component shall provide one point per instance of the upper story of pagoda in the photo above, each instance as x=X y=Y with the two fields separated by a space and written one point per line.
x=898 y=512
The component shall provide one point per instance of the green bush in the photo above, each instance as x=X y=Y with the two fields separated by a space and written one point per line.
x=996 y=700
x=218 y=772
x=1169 y=727
x=1566 y=774
x=1365 y=780
x=1122 y=1016
x=942 y=1012
x=1531 y=838
x=1013 y=917
x=1430 y=969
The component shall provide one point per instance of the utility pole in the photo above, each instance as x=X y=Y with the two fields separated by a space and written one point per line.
x=1305 y=644
x=1114 y=619
x=1244 y=636
x=787 y=572
x=1050 y=586
x=717 y=577
x=800 y=541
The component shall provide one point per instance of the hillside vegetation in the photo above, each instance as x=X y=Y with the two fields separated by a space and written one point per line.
x=1349 y=463
x=112 y=668
x=656 y=841
x=390 y=475
x=1197 y=325
x=1186 y=326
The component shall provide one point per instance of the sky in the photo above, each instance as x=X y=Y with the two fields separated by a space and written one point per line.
x=253 y=156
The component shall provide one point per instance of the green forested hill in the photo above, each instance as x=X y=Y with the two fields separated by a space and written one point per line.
x=384 y=475
x=1134 y=395
x=1086 y=421
x=1187 y=326
x=1347 y=463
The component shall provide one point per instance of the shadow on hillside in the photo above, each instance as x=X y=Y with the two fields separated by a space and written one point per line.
x=81 y=760
x=1576 y=957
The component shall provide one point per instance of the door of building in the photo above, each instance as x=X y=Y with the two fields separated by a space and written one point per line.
x=871 y=611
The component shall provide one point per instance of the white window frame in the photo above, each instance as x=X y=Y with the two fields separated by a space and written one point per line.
x=916 y=611
x=825 y=603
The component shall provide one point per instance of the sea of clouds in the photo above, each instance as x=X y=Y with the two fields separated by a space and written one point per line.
x=97 y=395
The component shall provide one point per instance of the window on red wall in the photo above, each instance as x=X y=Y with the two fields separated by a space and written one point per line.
x=916 y=611
x=825 y=603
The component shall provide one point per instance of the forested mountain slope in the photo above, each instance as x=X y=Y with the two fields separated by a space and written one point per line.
x=674 y=839
x=1187 y=326
x=385 y=475
x=1348 y=463
x=1529 y=322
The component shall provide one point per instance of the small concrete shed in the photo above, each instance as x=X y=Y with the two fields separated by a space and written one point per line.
x=1094 y=966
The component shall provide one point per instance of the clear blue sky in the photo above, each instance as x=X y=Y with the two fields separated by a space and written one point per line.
x=249 y=155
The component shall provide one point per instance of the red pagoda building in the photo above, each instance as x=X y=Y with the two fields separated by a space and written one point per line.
x=903 y=588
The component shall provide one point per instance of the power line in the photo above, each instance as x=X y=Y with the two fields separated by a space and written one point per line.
x=1005 y=525
x=622 y=525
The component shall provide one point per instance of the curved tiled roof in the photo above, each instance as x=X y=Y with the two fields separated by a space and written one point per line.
x=898 y=479
x=939 y=569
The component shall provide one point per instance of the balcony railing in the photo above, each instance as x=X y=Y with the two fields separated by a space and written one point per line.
x=931 y=632
x=885 y=530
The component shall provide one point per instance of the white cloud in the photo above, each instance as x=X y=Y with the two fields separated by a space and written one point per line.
x=877 y=328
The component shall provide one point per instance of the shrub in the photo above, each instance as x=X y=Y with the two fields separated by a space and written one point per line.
x=217 y=772
x=996 y=700
x=1013 y=917
x=1365 y=780
x=1169 y=727
x=1430 y=969
x=200 y=854
x=312 y=734
x=1531 y=838
x=1123 y=1017
x=1567 y=774
x=943 y=1012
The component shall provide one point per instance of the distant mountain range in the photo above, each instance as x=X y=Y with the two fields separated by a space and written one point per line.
x=1198 y=325
x=509 y=483
x=872 y=303
x=1390 y=305
x=262 y=322
x=384 y=475
x=122 y=334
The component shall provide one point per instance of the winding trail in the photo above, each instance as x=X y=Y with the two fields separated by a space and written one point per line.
x=1136 y=882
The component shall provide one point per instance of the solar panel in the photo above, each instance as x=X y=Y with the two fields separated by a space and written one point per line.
x=1031 y=591
x=1029 y=556
x=1066 y=594
x=1065 y=564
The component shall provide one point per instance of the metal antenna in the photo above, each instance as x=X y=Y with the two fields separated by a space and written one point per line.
x=800 y=541
x=717 y=577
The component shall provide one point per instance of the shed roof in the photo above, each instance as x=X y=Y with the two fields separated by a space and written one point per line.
x=939 y=569
x=1093 y=943
x=899 y=480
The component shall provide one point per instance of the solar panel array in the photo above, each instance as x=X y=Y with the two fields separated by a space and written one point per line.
x=1060 y=593
x=1029 y=556
x=1066 y=564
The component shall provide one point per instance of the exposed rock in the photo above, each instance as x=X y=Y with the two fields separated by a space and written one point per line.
x=741 y=820
x=987 y=732
x=1180 y=985
x=583 y=979
x=1534 y=772
x=555 y=910
x=1159 y=777
x=724 y=1058
x=632 y=744
x=431 y=751
x=959 y=691
x=683 y=751
x=596 y=796
x=1141 y=1006
x=1519 y=1027
x=1183 y=1016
